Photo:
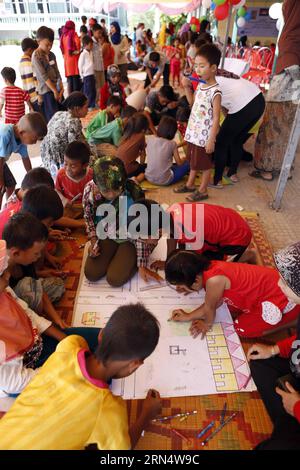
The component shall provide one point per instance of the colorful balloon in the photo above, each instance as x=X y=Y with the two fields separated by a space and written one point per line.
x=242 y=12
x=213 y=6
x=220 y=2
x=275 y=11
x=239 y=5
x=221 y=12
x=194 y=28
x=248 y=16
x=241 y=22
x=234 y=2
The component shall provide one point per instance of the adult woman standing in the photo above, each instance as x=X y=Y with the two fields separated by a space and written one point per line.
x=282 y=98
x=269 y=363
x=63 y=128
x=120 y=46
x=70 y=47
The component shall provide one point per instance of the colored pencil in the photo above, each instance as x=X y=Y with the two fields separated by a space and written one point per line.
x=205 y=430
x=218 y=429
x=179 y=415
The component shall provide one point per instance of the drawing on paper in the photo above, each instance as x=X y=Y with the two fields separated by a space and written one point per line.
x=175 y=350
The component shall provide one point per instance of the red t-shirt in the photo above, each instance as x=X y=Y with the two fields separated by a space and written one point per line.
x=222 y=226
x=14 y=99
x=105 y=94
x=70 y=188
x=250 y=286
x=8 y=212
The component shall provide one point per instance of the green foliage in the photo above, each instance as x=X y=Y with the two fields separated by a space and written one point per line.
x=148 y=18
x=177 y=20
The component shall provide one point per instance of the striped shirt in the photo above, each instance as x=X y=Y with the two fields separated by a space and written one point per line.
x=28 y=78
x=14 y=99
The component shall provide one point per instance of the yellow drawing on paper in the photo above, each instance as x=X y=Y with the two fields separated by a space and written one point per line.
x=89 y=318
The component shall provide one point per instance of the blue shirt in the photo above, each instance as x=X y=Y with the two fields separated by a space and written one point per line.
x=9 y=144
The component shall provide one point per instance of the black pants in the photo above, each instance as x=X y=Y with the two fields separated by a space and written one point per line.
x=232 y=135
x=74 y=83
x=89 y=89
x=166 y=75
x=286 y=432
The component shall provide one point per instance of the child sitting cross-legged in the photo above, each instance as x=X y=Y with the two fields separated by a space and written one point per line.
x=160 y=152
x=26 y=239
x=76 y=173
x=27 y=339
x=72 y=391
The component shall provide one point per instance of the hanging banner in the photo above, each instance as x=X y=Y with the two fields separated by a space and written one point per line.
x=259 y=24
x=169 y=7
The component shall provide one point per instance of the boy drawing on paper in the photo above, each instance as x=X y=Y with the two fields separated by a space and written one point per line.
x=77 y=405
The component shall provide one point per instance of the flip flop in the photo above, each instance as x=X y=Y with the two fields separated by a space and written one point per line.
x=197 y=196
x=258 y=175
x=183 y=189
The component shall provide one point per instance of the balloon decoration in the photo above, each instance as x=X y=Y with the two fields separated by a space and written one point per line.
x=220 y=2
x=275 y=11
x=241 y=22
x=195 y=24
x=221 y=11
x=234 y=2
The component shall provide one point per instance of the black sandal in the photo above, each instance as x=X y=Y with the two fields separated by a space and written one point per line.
x=183 y=189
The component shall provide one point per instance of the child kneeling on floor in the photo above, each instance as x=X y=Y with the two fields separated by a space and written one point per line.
x=251 y=293
x=73 y=387
x=160 y=152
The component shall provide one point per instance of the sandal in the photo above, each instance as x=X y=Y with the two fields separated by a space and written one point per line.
x=258 y=175
x=216 y=186
x=197 y=196
x=234 y=179
x=183 y=189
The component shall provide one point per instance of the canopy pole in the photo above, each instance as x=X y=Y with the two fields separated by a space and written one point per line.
x=226 y=37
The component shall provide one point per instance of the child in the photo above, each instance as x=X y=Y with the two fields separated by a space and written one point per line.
x=98 y=59
x=111 y=133
x=86 y=70
x=50 y=86
x=112 y=87
x=14 y=139
x=203 y=124
x=75 y=376
x=251 y=292
x=175 y=62
x=83 y=32
x=71 y=179
x=13 y=97
x=160 y=152
x=36 y=177
x=29 y=80
x=133 y=145
x=105 y=116
x=108 y=53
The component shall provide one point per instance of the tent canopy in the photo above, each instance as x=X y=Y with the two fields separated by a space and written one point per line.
x=169 y=7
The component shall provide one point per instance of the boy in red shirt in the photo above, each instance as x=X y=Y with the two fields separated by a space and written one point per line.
x=71 y=179
x=13 y=97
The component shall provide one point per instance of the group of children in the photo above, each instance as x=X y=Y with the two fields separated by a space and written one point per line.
x=65 y=371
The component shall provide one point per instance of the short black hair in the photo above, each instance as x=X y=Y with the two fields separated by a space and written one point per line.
x=45 y=33
x=76 y=99
x=206 y=37
x=86 y=40
x=114 y=101
x=79 y=151
x=37 y=124
x=154 y=57
x=132 y=333
x=211 y=53
x=23 y=230
x=183 y=266
x=36 y=177
x=83 y=29
x=83 y=18
x=143 y=47
x=43 y=202
x=9 y=74
x=136 y=124
x=97 y=27
x=29 y=43
x=194 y=37
x=167 y=92
x=183 y=114
x=127 y=112
x=163 y=219
x=167 y=128
x=102 y=20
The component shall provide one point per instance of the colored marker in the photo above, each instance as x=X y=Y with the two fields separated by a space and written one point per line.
x=179 y=415
x=205 y=430
x=247 y=381
x=218 y=429
x=179 y=434
x=223 y=413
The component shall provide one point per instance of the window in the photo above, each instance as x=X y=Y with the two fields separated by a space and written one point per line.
x=57 y=7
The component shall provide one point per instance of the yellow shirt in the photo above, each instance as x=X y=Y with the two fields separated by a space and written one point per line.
x=64 y=409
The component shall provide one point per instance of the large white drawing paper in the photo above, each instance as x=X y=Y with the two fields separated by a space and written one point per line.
x=180 y=365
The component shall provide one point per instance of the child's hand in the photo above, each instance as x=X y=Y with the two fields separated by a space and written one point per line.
x=210 y=146
x=146 y=274
x=199 y=326
x=289 y=399
x=158 y=265
x=59 y=235
x=55 y=273
x=152 y=405
x=56 y=95
x=62 y=324
x=94 y=249
x=54 y=261
x=260 y=351
x=179 y=315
